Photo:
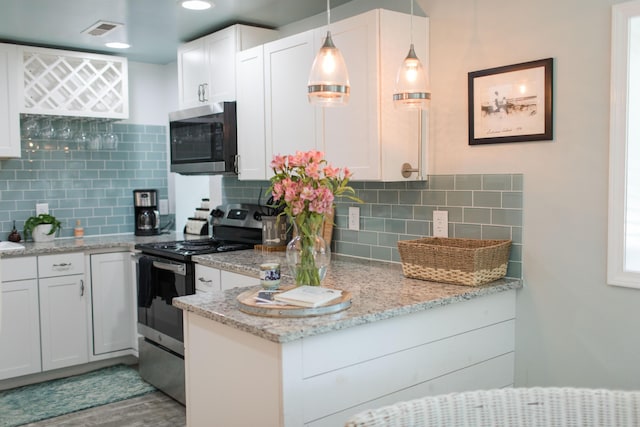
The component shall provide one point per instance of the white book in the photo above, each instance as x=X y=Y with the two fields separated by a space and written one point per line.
x=308 y=296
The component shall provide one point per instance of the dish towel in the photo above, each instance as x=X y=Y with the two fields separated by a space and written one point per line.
x=146 y=286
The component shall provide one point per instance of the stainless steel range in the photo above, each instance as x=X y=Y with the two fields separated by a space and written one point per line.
x=165 y=270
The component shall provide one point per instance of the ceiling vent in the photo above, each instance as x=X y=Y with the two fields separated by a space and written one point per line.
x=101 y=28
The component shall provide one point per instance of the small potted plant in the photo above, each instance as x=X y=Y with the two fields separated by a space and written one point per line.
x=42 y=228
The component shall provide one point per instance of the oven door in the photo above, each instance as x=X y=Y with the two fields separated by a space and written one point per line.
x=160 y=280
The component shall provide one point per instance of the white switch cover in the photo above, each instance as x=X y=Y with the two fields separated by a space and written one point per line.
x=354 y=218
x=440 y=224
x=42 y=208
x=164 y=206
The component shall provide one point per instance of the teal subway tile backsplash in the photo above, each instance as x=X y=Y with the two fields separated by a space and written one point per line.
x=479 y=206
x=94 y=186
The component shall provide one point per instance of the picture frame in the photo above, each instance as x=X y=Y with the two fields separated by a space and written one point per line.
x=512 y=103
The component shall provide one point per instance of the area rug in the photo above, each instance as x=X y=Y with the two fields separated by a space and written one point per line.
x=62 y=396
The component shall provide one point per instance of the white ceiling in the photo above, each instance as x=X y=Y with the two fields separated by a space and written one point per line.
x=154 y=28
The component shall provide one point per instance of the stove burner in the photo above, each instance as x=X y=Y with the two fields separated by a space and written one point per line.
x=187 y=248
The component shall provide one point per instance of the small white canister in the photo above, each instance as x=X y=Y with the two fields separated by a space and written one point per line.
x=270 y=275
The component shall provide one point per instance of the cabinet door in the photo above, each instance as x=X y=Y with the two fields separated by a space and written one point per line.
x=290 y=118
x=63 y=321
x=221 y=53
x=351 y=133
x=193 y=74
x=250 y=112
x=20 y=329
x=230 y=280
x=9 y=112
x=207 y=278
x=400 y=134
x=112 y=303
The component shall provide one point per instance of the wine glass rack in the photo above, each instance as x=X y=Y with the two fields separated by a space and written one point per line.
x=74 y=83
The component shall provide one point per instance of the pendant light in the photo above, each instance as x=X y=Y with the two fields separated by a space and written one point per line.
x=411 y=90
x=328 y=80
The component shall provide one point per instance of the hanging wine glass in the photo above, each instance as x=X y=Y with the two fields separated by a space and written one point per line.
x=82 y=137
x=95 y=137
x=47 y=131
x=64 y=130
x=31 y=128
x=110 y=140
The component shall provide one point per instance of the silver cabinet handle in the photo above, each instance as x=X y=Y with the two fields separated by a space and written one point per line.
x=200 y=92
x=81 y=287
x=204 y=92
x=62 y=266
x=203 y=280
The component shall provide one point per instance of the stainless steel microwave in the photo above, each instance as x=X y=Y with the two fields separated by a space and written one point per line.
x=204 y=140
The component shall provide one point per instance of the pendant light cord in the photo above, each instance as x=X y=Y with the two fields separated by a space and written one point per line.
x=411 y=23
x=328 y=14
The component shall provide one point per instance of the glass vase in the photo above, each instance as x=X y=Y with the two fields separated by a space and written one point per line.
x=308 y=255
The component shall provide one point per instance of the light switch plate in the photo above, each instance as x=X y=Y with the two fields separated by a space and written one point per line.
x=440 y=224
x=354 y=218
x=42 y=208
x=164 y=207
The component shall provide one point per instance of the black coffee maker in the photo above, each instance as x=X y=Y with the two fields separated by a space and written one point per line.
x=145 y=208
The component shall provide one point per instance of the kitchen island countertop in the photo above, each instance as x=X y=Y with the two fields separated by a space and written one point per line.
x=379 y=291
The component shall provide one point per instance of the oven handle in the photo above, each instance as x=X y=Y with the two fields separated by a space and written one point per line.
x=175 y=268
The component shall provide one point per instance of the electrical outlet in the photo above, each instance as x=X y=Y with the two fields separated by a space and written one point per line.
x=440 y=224
x=354 y=218
x=42 y=208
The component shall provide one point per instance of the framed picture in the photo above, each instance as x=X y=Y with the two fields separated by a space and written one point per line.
x=513 y=103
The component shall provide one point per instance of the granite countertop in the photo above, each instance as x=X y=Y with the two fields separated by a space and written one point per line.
x=379 y=291
x=88 y=243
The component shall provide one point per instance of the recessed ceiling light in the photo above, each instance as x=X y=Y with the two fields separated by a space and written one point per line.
x=196 y=4
x=118 y=45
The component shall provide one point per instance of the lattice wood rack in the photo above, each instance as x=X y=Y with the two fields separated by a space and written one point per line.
x=72 y=83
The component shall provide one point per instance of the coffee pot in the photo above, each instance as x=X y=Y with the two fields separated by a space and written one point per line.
x=147 y=217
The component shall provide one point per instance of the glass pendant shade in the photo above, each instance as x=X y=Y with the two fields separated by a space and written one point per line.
x=411 y=91
x=328 y=80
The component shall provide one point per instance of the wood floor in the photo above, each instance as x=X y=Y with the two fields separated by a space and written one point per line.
x=153 y=409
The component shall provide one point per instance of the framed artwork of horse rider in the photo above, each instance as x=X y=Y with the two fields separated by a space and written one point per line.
x=512 y=103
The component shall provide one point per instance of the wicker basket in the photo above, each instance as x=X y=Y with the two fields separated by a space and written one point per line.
x=470 y=262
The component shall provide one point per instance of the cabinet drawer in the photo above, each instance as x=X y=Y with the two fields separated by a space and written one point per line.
x=60 y=264
x=20 y=268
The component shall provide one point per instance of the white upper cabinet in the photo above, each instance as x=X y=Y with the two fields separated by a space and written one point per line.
x=9 y=109
x=369 y=135
x=290 y=119
x=250 y=111
x=207 y=66
x=66 y=83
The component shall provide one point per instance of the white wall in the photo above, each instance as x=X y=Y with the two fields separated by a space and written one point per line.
x=152 y=94
x=572 y=329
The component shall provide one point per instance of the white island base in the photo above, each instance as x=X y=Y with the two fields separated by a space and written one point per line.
x=235 y=378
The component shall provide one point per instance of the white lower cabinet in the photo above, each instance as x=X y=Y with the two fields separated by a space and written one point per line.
x=209 y=278
x=113 y=305
x=55 y=316
x=322 y=380
x=20 y=327
x=64 y=306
